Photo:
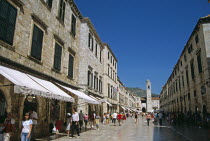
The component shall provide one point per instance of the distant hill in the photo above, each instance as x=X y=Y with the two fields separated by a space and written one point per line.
x=140 y=92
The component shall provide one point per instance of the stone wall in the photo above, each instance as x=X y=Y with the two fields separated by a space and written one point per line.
x=189 y=97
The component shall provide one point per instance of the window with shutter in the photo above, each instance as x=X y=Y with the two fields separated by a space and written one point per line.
x=100 y=55
x=62 y=6
x=71 y=66
x=73 y=25
x=200 y=69
x=187 y=77
x=92 y=44
x=8 y=16
x=89 y=78
x=96 y=51
x=37 y=39
x=57 y=57
x=89 y=38
x=192 y=70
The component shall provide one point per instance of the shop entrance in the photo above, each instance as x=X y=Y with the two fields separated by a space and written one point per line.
x=30 y=104
x=3 y=106
x=69 y=107
x=54 y=110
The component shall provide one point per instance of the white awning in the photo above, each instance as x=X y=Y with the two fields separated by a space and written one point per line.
x=82 y=95
x=101 y=100
x=27 y=84
x=128 y=109
x=108 y=103
x=122 y=107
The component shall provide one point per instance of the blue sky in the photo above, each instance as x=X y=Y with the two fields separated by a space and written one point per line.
x=147 y=36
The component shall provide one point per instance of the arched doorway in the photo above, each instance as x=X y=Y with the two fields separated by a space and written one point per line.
x=30 y=104
x=3 y=106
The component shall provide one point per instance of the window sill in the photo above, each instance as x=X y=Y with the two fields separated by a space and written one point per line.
x=70 y=78
x=35 y=60
x=57 y=71
x=6 y=45
x=60 y=21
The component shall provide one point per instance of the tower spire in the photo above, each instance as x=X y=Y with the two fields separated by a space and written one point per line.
x=149 y=95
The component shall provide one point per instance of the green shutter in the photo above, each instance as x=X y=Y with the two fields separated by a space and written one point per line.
x=71 y=66
x=8 y=16
x=37 y=39
x=73 y=25
x=57 y=57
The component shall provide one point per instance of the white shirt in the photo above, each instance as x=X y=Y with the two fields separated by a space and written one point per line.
x=26 y=125
x=34 y=115
x=114 y=115
x=75 y=117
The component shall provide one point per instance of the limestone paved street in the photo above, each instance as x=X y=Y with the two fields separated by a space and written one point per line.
x=130 y=131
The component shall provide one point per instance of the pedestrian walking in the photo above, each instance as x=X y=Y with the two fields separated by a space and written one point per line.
x=160 y=116
x=8 y=127
x=34 y=118
x=119 y=118
x=136 y=117
x=104 y=118
x=107 y=118
x=27 y=124
x=114 y=117
x=97 y=118
x=81 y=118
x=68 y=124
x=124 y=117
x=86 y=120
x=92 y=120
x=148 y=118
x=75 y=122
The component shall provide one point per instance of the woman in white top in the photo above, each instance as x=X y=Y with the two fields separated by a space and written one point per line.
x=27 y=124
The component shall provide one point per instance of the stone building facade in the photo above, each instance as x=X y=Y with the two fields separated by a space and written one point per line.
x=110 y=79
x=188 y=87
x=90 y=64
x=39 y=38
x=123 y=100
x=127 y=100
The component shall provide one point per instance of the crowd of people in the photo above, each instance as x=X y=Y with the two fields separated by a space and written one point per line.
x=79 y=121
x=188 y=119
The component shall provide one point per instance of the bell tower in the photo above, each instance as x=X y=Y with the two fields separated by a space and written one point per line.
x=149 y=96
